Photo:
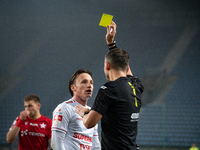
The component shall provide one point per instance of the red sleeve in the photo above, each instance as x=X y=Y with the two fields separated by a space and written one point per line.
x=14 y=122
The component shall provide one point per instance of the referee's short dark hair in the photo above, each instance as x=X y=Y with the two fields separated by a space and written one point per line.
x=32 y=97
x=118 y=59
x=74 y=76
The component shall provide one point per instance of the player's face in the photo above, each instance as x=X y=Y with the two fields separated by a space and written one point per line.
x=83 y=87
x=32 y=107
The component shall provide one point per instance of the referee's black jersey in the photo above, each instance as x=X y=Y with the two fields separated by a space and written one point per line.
x=119 y=103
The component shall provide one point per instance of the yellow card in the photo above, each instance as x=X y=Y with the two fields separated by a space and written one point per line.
x=105 y=20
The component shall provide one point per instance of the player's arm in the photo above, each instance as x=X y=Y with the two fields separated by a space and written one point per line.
x=14 y=131
x=95 y=140
x=12 y=134
x=90 y=118
x=59 y=127
x=57 y=140
x=96 y=145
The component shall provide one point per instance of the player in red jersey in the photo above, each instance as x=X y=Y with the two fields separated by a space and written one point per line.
x=34 y=129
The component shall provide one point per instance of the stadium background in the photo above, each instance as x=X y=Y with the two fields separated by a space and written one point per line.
x=44 y=41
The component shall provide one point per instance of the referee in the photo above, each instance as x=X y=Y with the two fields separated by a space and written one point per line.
x=118 y=101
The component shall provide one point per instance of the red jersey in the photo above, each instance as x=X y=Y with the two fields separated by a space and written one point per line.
x=34 y=134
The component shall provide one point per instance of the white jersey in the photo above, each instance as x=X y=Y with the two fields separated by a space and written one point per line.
x=77 y=136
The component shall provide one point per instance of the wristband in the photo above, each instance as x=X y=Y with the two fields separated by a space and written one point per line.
x=112 y=44
x=112 y=47
x=19 y=123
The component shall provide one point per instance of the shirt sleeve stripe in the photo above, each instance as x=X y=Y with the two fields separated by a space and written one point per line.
x=55 y=128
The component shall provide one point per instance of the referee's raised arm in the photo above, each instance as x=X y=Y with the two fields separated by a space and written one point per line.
x=110 y=40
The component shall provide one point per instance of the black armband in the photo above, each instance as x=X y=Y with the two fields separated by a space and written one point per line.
x=112 y=48
x=114 y=43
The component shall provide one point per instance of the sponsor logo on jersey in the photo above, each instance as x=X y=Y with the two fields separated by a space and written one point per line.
x=57 y=123
x=25 y=132
x=36 y=134
x=57 y=117
x=82 y=137
x=57 y=120
x=33 y=124
x=42 y=125
x=103 y=87
x=134 y=117
x=85 y=147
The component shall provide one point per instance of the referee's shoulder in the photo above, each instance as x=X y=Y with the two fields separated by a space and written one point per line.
x=131 y=76
x=107 y=85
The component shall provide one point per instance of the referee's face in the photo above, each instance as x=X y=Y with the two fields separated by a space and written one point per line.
x=83 y=86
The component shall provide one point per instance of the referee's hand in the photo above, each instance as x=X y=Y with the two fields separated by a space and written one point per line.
x=111 y=31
